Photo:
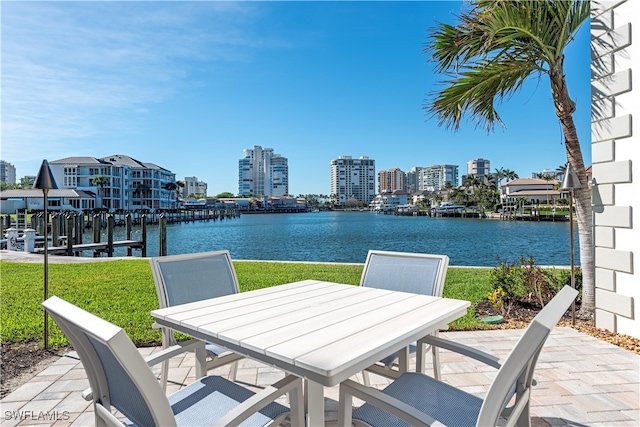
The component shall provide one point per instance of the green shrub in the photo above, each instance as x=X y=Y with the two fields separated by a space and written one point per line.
x=507 y=281
x=526 y=282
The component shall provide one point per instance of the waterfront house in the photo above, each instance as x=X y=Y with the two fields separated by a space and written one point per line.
x=534 y=190
x=387 y=201
x=63 y=199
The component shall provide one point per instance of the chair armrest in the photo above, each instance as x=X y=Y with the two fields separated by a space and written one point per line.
x=465 y=350
x=387 y=403
x=266 y=396
x=172 y=351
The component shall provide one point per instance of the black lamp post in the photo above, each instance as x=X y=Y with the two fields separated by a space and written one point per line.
x=45 y=182
x=571 y=182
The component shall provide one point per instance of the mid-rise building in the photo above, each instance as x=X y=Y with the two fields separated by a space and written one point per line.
x=391 y=180
x=434 y=178
x=353 y=179
x=7 y=172
x=412 y=179
x=261 y=172
x=193 y=187
x=480 y=168
x=119 y=182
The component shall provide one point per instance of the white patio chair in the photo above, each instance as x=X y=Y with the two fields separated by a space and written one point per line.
x=417 y=273
x=416 y=399
x=121 y=379
x=187 y=278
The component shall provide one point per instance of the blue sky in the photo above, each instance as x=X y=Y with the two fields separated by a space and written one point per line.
x=189 y=85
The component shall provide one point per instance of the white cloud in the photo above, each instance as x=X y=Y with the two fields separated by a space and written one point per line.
x=73 y=70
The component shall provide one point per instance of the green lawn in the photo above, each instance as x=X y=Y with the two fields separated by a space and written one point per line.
x=123 y=292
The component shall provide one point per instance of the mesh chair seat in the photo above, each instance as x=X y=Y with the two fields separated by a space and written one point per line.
x=206 y=400
x=214 y=350
x=447 y=404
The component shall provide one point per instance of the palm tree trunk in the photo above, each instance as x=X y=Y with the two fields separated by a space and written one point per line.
x=584 y=212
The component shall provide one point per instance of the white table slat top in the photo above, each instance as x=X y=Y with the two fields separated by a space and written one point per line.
x=328 y=331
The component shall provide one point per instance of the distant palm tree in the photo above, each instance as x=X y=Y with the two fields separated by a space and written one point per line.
x=171 y=187
x=496 y=46
x=474 y=182
x=101 y=181
x=180 y=188
x=561 y=170
x=510 y=175
x=547 y=177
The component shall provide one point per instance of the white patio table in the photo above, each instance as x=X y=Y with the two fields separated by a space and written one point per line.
x=322 y=331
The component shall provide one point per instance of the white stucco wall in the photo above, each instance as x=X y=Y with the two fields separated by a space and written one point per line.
x=616 y=189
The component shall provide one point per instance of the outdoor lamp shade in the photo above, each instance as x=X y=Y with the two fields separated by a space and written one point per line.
x=45 y=180
x=570 y=180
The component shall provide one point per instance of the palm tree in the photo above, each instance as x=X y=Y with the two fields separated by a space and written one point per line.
x=496 y=46
x=547 y=177
x=101 y=181
x=179 y=191
x=560 y=171
x=171 y=187
x=510 y=175
x=473 y=181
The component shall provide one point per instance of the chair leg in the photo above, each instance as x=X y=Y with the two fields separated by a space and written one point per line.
x=164 y=374
x=436 y=362
x=233 y=372
x=365 y=379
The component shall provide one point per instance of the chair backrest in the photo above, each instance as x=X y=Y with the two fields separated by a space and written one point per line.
x=193 y=277
x=516 y=373
x=117 y=373
x=407 y=272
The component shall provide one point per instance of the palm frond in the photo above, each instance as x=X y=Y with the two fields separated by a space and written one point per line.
x=494 y=47
x=477 y=91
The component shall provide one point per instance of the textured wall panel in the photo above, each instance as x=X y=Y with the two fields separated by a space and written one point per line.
x=612 y=85
x=603 y=151
x=605 y=320
x=612 y=172
x=611 y=41
x=605 y=237
x=618 y=127
x=606 y=279
x=615 y=303
x=614 y=260
x=602 y=108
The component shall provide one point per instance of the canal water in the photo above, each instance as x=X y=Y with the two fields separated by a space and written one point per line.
x=347 y=236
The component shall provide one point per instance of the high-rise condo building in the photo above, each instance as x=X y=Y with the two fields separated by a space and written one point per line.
x=261 y=172
x=7 y=172
x=412 y=179
x=434 y=178
x=353 y=179
x=392 y=180
x=481 y=168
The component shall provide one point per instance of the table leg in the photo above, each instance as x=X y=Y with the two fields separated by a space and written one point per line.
x=403 y=360
x=314 y=402
x=201 y=361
